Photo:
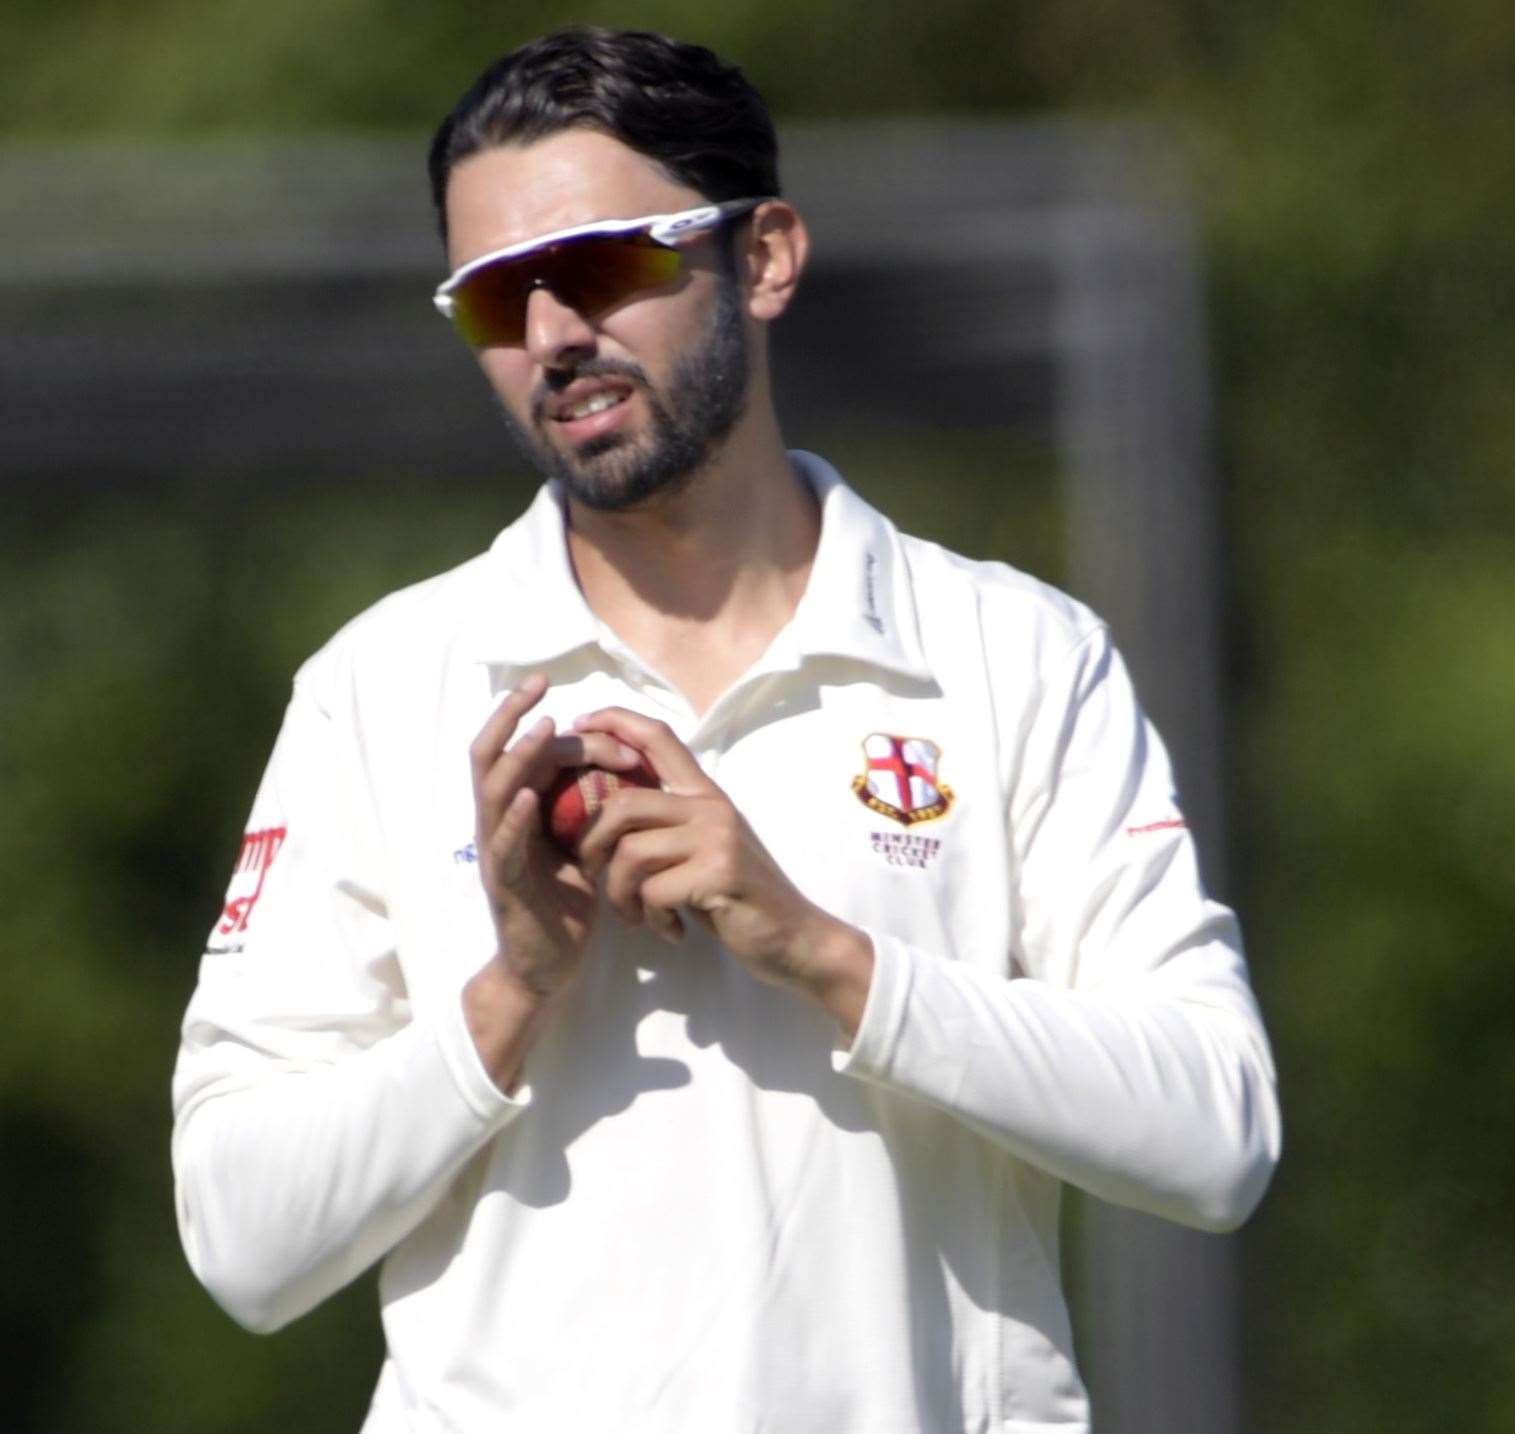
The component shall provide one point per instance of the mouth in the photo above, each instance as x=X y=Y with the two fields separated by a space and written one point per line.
x=587 y=398
x=588 y=407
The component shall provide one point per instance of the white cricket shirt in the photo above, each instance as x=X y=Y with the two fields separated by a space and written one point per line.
x=698 y=1216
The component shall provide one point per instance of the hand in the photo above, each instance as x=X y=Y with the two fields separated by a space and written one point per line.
x=687 y=847
x=541 y=900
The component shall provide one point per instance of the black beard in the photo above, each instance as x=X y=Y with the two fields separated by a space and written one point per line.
x=615 y=473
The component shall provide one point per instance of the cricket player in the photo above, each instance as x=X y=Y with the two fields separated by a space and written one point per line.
x=752 y=1111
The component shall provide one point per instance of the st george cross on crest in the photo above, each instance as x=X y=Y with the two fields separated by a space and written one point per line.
x=900 y=781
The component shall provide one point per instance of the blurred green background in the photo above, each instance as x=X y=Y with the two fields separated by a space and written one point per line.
x=1354 y=168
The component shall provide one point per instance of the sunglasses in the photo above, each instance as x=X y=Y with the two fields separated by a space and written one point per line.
x=589 y=267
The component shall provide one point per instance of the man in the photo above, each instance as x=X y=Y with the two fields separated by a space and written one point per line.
x=753 y=1114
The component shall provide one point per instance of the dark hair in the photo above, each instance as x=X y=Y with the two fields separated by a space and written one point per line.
x=680 y=105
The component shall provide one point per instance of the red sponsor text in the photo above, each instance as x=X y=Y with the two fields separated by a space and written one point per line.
x=259 y=849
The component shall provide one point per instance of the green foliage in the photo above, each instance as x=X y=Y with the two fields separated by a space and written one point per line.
x=177 y=67
x=1361 y=179
x=148 y=650
x=1353 y=163
x=1382 y=781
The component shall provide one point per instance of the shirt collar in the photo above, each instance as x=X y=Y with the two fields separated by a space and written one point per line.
x=857 y=603
x=533 y=610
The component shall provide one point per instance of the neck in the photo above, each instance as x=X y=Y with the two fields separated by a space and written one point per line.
x=738 y=536
x=698 y=583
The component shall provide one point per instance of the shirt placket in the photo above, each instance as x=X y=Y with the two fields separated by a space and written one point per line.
x=707 y=735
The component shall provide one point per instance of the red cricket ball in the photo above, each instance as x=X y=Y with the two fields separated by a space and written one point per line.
x=578 y=793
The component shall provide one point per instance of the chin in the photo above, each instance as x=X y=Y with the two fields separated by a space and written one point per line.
x=619 y=488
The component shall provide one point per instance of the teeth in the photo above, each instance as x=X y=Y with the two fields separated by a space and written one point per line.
x=597 y=403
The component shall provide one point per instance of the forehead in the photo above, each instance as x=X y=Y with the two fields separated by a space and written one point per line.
x=514 y=192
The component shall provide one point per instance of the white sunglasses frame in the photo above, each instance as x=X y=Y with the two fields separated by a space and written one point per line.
x=665 y=229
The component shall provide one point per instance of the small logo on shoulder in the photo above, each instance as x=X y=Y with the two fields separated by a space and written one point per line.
x=1168 y=824
x=901 y=780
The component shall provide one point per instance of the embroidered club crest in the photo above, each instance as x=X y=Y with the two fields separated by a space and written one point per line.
x=900 y=779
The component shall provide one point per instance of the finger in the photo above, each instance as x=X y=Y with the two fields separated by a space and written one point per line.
x=673 y=762
x=593 y=749
x=512 y=770
x=662 y=897
x=539 y=755
x=668 y=924
x=506 y=845
x=662 y=917
x=638 y=857
x=502 y=723
x=627 y=810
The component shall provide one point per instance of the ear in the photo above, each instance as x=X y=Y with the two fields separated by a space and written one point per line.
x=777 y=247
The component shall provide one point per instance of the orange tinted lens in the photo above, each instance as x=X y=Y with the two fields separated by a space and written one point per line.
x=586 y=274
x=490 y=306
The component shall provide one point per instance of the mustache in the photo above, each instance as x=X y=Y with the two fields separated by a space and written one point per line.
x=556 y=380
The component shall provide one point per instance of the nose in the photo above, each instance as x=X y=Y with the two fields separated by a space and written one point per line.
x=557 y=334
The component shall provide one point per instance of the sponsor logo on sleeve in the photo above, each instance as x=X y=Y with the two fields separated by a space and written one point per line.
x=259 y=848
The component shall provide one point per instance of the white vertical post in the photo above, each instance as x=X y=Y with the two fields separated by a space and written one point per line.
x=1157 y=1304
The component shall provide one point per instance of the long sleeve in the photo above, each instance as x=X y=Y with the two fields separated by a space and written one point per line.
x=317 y=1120
x=1119 y=1048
